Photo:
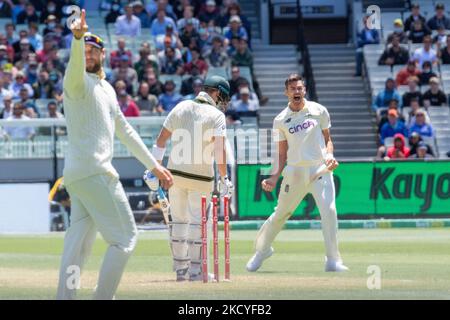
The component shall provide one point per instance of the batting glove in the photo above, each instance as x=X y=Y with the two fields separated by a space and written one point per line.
x=226 y=187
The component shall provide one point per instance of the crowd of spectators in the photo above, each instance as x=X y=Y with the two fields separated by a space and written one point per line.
x=404 y=125
x=184 y=38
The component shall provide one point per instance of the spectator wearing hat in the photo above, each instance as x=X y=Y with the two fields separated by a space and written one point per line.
x=189 y=34
x=168 y=39
x=23 y=43
x=426 y=53
x=31 y=70
x=19 y=132
x=24 y=51
x=217 y=56
x=198 y=61
x=140 y=12
x=439 y=19
x=426 y=74
x=4 y=58
x=365 y=36
x=382 y=115
x=394 y=54
x=405 y=73
x=5 y=9
x=127 y=105
x=6 y=104
x=160 y=23
x=146 y=101
x=399 y=150
x=434 y=96
x=414 y=140
x=418 y=31
x=234 y=9
x=392 y=126
x=128 y=24
x=197 y=86
x=116 y=55
x=234 y=30
x=20 y=83
x=50 y=24
x=209 y=12
x=415 y=15
x=188 y=18
x=170 y=98
x=420 y=126
x=398 y=31
x=244 y=103
x=421 y=152
x=386 y=95
x=27 y=16
x=444 y=53
x=169 y=63
x=412 y=93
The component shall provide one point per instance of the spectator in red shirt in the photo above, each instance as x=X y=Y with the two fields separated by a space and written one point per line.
x=127 y=105
x=115 y=55
x=198 y=61
x=398 y=150
x=406 y=72
x=44 y=54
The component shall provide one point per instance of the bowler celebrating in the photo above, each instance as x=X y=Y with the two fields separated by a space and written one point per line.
x=98 y=200
x=302 y=132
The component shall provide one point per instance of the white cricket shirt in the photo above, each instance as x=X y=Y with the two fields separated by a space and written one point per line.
x=303 y=132
x=93 y=116
x=193 y=124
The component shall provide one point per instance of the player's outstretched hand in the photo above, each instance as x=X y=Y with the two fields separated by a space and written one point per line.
x=164 y=176
x=331 y=164
x=79 y=26
x=269 y=184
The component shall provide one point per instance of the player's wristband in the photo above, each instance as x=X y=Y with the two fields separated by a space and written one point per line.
x=158 y=152
x=329 y=156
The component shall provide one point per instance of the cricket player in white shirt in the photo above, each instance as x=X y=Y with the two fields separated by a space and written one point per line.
x=97 y=197
x=198 y=132
x=302 y=132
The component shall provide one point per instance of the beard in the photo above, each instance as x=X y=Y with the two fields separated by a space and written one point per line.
x=94 y=68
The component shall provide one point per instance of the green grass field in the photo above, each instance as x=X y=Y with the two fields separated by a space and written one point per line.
x=415 y=264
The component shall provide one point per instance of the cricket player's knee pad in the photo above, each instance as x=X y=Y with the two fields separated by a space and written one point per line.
x=195 y=244
x=178 y=240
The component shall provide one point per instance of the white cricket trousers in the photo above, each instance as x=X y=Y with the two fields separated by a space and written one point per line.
x=296 y=184
x=97 y=203
x=185 y=198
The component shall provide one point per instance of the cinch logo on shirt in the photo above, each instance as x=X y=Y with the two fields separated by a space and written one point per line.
x=302 y=126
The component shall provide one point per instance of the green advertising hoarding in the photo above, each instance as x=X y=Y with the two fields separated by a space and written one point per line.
x=363 y=189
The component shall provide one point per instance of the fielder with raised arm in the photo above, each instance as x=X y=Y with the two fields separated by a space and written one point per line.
x=302 y=133
x=198 y=132
x=98 y=200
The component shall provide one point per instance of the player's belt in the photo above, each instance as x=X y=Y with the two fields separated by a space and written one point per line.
x=191 y=175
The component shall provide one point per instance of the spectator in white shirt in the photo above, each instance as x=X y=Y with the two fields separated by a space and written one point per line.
x=19 y=132
x=244 y=103
x=18 y=84
x=426 y=53
x=128 y=24
x=6 y=108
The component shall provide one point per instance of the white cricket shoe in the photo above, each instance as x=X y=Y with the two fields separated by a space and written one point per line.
x=256 y=261
x=335 y=266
